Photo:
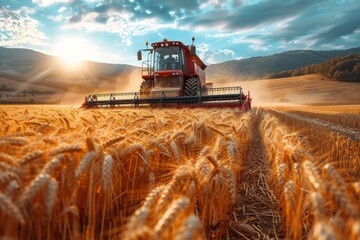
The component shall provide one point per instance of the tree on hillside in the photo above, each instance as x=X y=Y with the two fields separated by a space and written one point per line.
x=340 y=68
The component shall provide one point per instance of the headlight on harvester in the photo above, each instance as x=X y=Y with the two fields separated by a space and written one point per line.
x=175 y=73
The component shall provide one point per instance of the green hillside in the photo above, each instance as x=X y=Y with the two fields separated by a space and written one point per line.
x=259 y=67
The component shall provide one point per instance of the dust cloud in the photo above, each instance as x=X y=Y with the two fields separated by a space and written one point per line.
x=126 y=82
x=302 y=90
x=130 y=82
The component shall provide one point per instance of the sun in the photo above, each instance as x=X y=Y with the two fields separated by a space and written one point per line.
x=71 y=51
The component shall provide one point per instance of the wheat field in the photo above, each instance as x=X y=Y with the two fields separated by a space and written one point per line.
x=290 y=172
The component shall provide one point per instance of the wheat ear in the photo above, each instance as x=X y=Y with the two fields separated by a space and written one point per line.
x=66 y=149
x=7 y=158
x=85 y=161
x=177 y=206
x=153 y=196
x=112 y=141
x=29 y=192
x=107 y=171
x=189 y=229
x=31 y=156
x=53 y=163
x=50 y=196
x=323 y=230
x=232 y=183
x=312 y=175
x=11 y=187
x=8 y=207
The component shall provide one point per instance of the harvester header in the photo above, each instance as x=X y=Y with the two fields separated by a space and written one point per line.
x=173 y=75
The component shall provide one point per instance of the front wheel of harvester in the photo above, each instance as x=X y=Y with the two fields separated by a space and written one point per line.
x=145 y=88
x=192 y=86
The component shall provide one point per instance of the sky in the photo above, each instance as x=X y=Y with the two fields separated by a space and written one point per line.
x=113 y=30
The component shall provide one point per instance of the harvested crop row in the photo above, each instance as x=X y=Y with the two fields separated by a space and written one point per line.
x=344 y=119
x=326 y=144
x=311 y=192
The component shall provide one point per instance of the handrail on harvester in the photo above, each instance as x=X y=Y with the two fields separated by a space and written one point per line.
x=218 y=96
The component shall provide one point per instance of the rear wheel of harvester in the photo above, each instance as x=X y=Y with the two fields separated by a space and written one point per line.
x=192 y=86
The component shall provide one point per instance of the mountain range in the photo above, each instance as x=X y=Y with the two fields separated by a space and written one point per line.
x=259 y=67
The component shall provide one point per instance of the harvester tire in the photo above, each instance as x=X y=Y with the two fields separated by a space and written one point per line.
x=192 y=86
x=146 y=87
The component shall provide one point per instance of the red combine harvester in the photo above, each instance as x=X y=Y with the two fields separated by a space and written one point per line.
x=173 y=76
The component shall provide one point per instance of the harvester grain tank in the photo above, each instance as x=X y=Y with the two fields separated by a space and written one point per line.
x=173 y=75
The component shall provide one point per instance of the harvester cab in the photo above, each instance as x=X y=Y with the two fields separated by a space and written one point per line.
x=173 y=75
x=172 y=66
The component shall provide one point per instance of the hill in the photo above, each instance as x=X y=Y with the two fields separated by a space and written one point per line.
x=29 y=75
x=259 y=67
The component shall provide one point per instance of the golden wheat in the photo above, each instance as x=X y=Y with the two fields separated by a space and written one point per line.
x=68 y=173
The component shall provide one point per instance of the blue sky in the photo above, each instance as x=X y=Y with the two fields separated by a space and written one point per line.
x=113 y=30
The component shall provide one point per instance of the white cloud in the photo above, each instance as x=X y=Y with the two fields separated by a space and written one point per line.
x=18 y=29
x=220 y=55
x=212 y=57
x=332 y=46
x=227 y=52
x=118 y=23
x=26 y=10
x=256 y=44
x=202 y=48
x=47 y=3
x=57 y=18
x=62 y=9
